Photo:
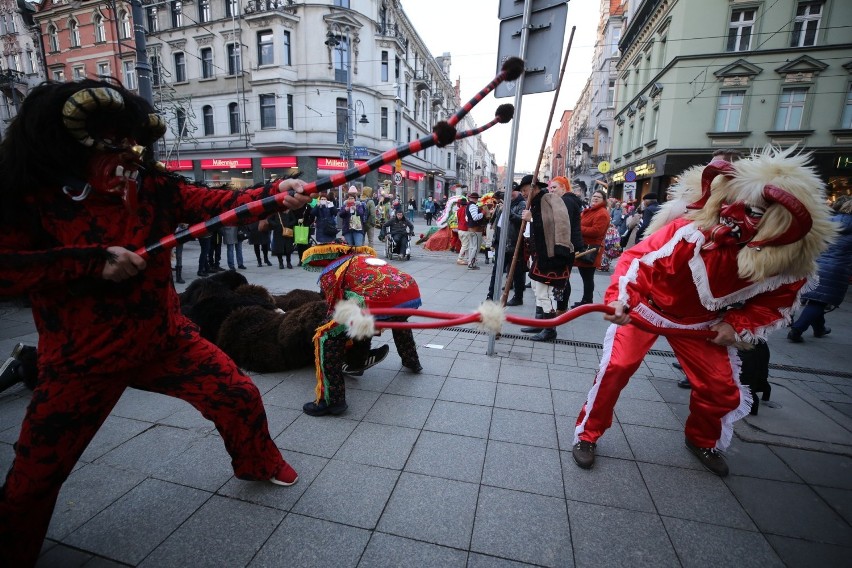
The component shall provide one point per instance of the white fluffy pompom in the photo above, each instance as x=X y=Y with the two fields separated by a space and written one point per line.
x=492 y=317
x=359 y=325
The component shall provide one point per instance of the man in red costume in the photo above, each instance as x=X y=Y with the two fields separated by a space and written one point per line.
x=731 y=253
x=79 y=191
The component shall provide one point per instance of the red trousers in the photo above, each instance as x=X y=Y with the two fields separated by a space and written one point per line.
x=66 y=412
x=716 y=400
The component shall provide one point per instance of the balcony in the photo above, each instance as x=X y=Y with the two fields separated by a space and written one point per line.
x=394 y=32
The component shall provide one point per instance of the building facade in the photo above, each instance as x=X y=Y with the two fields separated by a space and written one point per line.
x=22 y=64
x=697 y=76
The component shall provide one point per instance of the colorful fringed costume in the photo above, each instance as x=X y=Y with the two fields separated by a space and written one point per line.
x=355 y=273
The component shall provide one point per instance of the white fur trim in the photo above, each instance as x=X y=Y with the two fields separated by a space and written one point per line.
x=655 y=318
x=359 y=325
x=593 y=393
x=741 y=410
x=491 y=317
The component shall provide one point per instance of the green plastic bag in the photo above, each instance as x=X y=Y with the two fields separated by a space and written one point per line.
x=301 y=234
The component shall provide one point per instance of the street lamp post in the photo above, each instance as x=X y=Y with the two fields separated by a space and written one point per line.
x=332 y=41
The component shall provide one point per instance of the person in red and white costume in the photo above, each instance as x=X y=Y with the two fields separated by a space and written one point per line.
x=731 y=252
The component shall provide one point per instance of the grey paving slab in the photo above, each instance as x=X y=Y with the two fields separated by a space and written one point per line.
x=320 y=436
x=423 y=386
x=611 y=482
x=139 y=521
x=568 y=403
x=524 y=468
x=528 y=428
x=376 y=379
x=797 y=553
x=571 y=380
x=304 y=542
x=838 y=499
x=223 y=532
x=656 y=445
x=700 y=544
x=523 y=527
x=694 y=495
x=12 y=410
x=205 y=464
x=61 y=556
x=348 y=493
x=757 y=460
x=292 y=392
x=459 y=418
x=789 y=509
x=114 y=432
x=483 y=561
x=640 y=388
x=519 y=397
x=389 y=551
x=816 y=468
x=360 y=402
x=152 y=449
x=468 y=391
x=524 y=375
x=646 y=413
x=431 y=509
x=476 y=367
x=378 y=444
x=609 y=536
x=270 y=495
x=448 y=456
x=77 y=504
x=396 y=410
x=147 y=406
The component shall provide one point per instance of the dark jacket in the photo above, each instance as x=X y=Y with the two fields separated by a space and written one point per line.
x=647 y=215
x=326 y=226
x=835 y=265
x=398 y=226
x=281 y=244
x=575 y=207
x=516 y=209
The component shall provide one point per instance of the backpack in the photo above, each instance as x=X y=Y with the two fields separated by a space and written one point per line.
x=470 y=222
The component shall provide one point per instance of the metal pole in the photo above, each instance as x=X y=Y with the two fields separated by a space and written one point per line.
x=510 y=173
x=143 y=68
x=350 y=127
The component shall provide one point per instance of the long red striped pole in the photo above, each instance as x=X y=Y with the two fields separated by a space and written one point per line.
x=442 y=134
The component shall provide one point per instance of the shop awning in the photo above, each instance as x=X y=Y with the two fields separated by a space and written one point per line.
x=178 y=165
x=279 y=162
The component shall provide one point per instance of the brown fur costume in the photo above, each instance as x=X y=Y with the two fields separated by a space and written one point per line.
x=295 y=298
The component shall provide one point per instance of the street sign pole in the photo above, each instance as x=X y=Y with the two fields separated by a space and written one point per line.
x=510 y=170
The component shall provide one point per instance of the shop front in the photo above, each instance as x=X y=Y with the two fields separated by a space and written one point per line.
x=329 y=166
x=835 y=169
x=237 y=173
x=184 y=167
x=279 y=166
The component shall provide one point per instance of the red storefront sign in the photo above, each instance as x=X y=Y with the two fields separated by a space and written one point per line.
x=226 y=164
x=336 y=164
x=386 y=169
x=178 y=165
x=279 y=162
x=415 y=176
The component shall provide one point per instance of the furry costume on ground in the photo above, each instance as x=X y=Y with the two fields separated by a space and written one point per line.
x=79 y=191
x=731 y=252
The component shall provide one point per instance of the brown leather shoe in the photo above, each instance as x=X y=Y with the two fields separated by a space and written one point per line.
x=710 y=458
x=584 y=454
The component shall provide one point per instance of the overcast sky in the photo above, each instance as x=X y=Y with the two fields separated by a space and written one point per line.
x=469 y=30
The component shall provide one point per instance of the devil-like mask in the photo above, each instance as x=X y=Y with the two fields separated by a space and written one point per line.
x=737 y=225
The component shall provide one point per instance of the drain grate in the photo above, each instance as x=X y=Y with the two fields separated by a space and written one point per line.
x=657 y=352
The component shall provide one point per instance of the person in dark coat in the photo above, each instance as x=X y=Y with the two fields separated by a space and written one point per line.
x=562 y=187
x=517 y=205
x=259 y=239
x=325 y=224
x=282 y=245
x=649 y=207
x=835 y=269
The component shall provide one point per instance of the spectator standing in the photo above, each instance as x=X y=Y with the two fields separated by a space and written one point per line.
x=231 y=239
x=516 y=207
x=562 y=187
x=324 y=215
x=372 y=218
x=461 y=223
x=594 y=221
x=476 y=223
x=649 y=208
x=412 y=207
x=353 y=214
x=283 y=240
x=429 y=210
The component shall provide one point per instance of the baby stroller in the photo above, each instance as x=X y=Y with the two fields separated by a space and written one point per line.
x=404 y=249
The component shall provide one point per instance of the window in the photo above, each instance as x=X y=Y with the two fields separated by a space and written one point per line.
x=729 y=111
x=286 y=51
x=207 y=114
x=655 y=123
x=342 y=120
x=267 y=111
x=53 y=38
x=740 y=29
x=151 y=16
x=180 y=119
x=385 y=66
x=449 y=160
x=180 y=67
x=396 y=69
x=15 y=61
x=204 y=14
x=791 y=107
x=234 y=64
x=806 y=24
x=846 y=119
x=100 y=29
x=124 y=27
x=10 y=24
x=155 y=71
x=409 y=135
x=342 y=3
x=384 y=126
x=207 y=62
x=290 y=112
x=59 y=75
x=3 y=24
x=103 y=70
x=31 y=61
x=74 y=33
x=80 y=73
x=616 y=37
x=231 y=8
x=610 y=93
x=341 y=56
x=129 y=74
x=177 y=14
x=234 y=118
x=265 y=54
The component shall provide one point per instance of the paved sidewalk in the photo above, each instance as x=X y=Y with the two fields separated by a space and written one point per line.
x=467 y=463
